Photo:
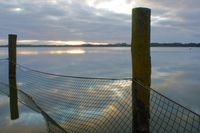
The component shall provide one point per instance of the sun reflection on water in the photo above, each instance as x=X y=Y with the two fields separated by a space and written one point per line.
x=78 y=51
x=52 y=52
x=27 y=52
x=73 y=51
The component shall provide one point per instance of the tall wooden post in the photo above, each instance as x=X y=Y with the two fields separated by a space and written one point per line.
x=14 y=113
x=141 y=68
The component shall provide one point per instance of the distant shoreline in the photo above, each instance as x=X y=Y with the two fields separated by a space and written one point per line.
x=113 y=45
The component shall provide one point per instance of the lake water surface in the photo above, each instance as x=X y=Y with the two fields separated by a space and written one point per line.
x=175 y=73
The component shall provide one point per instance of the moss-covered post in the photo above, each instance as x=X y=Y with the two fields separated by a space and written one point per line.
x=141 y=68
x=14 y=113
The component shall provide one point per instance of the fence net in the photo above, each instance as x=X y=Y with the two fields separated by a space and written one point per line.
x=94 y=105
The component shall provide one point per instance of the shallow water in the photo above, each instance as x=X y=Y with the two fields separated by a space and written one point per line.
x=175 y=73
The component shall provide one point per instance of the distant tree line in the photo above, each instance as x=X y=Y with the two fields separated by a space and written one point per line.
x=112 y=45
x=175 y=44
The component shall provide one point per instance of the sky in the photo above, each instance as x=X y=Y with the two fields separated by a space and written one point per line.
x=96 y=21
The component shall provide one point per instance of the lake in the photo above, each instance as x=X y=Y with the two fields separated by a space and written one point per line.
x=175 y=73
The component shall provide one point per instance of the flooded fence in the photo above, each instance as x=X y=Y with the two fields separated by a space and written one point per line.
x=98 y=105
x=87 y=105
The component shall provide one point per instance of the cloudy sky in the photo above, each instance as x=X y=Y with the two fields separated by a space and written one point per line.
x=96 y=21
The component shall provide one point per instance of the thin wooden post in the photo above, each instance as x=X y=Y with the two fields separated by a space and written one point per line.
x=14 y=113
x=141 y=68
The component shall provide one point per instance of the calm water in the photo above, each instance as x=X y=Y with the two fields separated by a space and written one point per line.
x=175 y=73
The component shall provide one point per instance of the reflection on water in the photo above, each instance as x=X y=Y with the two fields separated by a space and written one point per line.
x=73 y=51
x=75 y=101
x=27 y=52
x=41 y=51
x=52 y=52
x=28 y=122
x=175 y=71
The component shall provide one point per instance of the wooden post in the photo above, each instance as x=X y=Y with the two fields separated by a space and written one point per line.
x=141 y=68
x=14 y=113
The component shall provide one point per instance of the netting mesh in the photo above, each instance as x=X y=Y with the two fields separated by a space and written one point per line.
x=92 y=105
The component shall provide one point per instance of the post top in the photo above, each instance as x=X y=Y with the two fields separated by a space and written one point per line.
x=141 y=9
x=12 y=34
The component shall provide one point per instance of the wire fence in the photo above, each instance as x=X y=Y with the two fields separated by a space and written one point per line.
x=94 y=105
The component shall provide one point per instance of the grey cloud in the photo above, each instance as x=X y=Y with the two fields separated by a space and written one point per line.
x=182 y=24
x=77 y=20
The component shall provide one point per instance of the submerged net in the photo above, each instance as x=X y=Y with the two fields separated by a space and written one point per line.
x=94 y=105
